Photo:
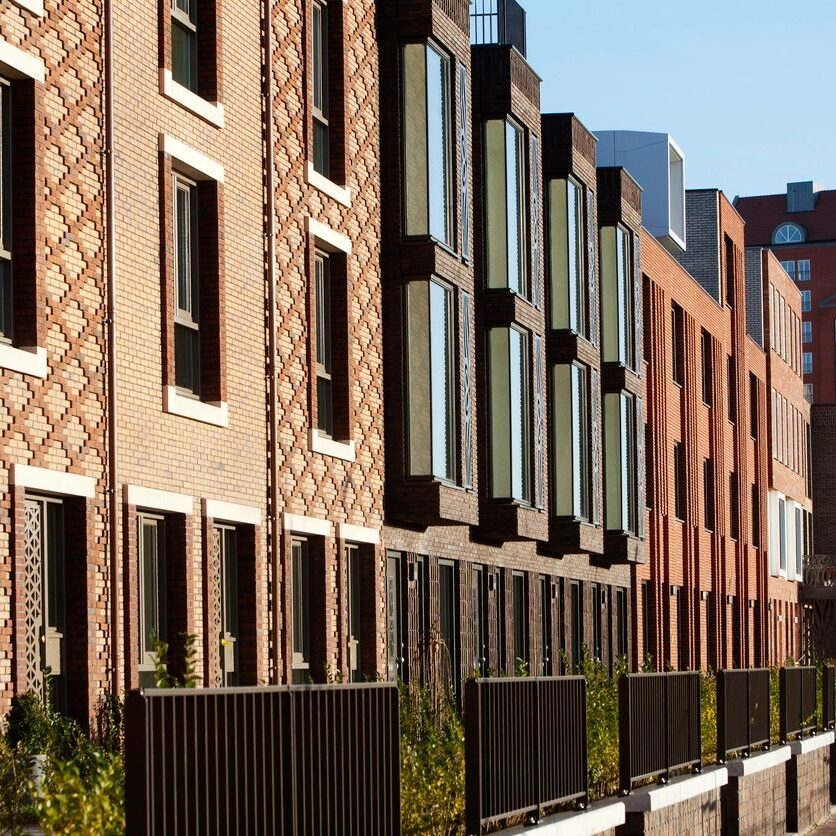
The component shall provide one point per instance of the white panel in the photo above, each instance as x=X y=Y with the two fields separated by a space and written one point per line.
x=328 y=238
x=53 y=481
x=307 y=525
x=191 y=161
x=19 y=64
x=339 y=193
x=24 y=360
x=216 y=414
x=344 y=450
x=357 y=534
x=212 y=112
x=230 y=512
x=157 y=500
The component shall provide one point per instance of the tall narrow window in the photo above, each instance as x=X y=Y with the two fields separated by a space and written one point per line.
x=707 y=348
x=187 y=289
x=734 y=507
x=320 y=89
x=782 y=534
x=505 y=206
x=226 y=541
x=5 y=211
x=678 y=343
x=623 y=624
x=806 y=301
x=355 y=593
x=567 y=232
x=577 y=624
x=620 y=462
x=647 y=621
x=754 y=409
x=301 y=623
x=545 y=625
x=152 y=593
x=448 y=616
x=732 y=388
x=756 y=517
x=428 y=138
x=510 y=374
x=324 y=339
x=597 y=604
x=799 y=542
x=184 y=43
x=520 y=614
x=571 y=442
x=804 y=270
x=730 y=271
x=618 y=296
x=431 y=380
x=806 y=332
x=480 y=608
x=395 y=619
x=679 y=480
x=708 y=494
x=807 y=362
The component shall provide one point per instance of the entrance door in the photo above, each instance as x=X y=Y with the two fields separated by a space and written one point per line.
x=394 y=635
x=226 y=546
x=152 y=594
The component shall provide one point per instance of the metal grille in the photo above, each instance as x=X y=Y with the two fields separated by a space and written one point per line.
x=798 y=702
x=536 y=245
x=539 y=421
x=32 y=584
x=216 y=593
x=592 y=269
x=318 y=760
x=595 y=398
x=464 y=118
x=742 y=710
x=467 y=372
x=498 y=22
x=659 y=725
x=641 y=468
x=638 y=303
x=525 y=747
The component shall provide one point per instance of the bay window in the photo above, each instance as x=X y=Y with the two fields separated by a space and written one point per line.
x=571 y=442
x=617 y=279
x=620 y=442
x=428 y=138
x=510 y=375
x=431 y=389
x=505 y=206
x=567 y=248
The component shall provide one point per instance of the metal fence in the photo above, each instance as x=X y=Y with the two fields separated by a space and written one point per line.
x=828 y=706
x=798 y=702
x=318 y=760
x=498 y=22
x=659 y=725
x=742 y=711
x=525 y=747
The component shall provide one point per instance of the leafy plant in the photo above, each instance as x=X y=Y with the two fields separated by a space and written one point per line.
x=163 y=678
x=16 y=807
x=602 y=724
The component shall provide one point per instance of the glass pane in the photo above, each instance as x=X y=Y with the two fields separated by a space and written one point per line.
x=438 y=143
x=324 y=405
x=301 y=601
x=54 y=565
x=5 y=168
x=441 y=381
x=515 y=203
x=520 y=613
x=323 y=313
x=183 y=246
x=622 y=290
x=187 y=358
x=520 y=478
x=153 y=622
x=320 y=59
x=576 y=262
x=183 y=55
x=322 y=156
x=230 y=581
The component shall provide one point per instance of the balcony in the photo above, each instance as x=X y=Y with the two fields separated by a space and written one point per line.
x=498 y=22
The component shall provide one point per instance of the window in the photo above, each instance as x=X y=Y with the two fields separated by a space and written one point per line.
x=431 y=380
x=597 y=604
x=708 y=494
x=6 y=187
x=806 y=332
x=618 y=296
x=571 y=441
x=754 y=410
x=301 y=602
x=807 y=362
x=545 y=625
x=789 y=266
x=804 y=273
x=734 y=507
x=623 y=624
x=732 y=388
x=505 y=206
x=707 y=368
x=788 y=233
x=153 y=626
x=678 y=343
x=226 y=544
x=808 y=392
x=324 y=397
x=683 y=633
x=510 y=374
x=480 y=609
x=577 y=624
x=568 y=256
x=395 y=618
x=756 y=517
x=679 y=480
x=647 y=621
x=321 y=156
x=187 y=287
x=355 y=616
x=730 y=270
x=806 y=301
x=799 y=542
x=620 y=426
x=184 y=43
x=428 y=138
x=782 y=534
x=520 y=612
x=448 y=616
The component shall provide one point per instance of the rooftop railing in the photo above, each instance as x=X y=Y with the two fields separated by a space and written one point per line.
x=498 y=22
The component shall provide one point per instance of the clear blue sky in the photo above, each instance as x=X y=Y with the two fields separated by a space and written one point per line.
x=746 y=87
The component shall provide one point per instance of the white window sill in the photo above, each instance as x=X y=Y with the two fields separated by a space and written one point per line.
x=34 y=6
x=174 y=403
x=328 y=447
x=31 y=361
x=339 y=193
x=212 y=112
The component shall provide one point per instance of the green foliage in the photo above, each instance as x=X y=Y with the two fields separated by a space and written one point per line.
x=432 y=764
x=708 y=716
x=16 y=808
x=109 y=723
x=602 y=724
x=774 y=705
x=162 y=677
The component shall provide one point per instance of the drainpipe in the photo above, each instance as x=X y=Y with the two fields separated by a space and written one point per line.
x=112 y=423
x=272 y=362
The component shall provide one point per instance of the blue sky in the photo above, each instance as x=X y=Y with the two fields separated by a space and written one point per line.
x=746 y=87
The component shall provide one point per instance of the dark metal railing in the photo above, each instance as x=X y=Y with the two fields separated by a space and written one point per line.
x=498 y=22
x=798 y=702
x=284 y=760
x=525 y=747
x=742 y=711
x=828 y=695
x=659 y=725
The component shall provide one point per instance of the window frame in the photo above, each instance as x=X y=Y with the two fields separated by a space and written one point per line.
x=186 y=22
x=300 y=609
x=569 y=307
x=324 y=343
x=321 y=90
x=6 y=216
x=158 y=596
x=707 y=367
x=677 y=344
x=709 y=495
x=803 y=273
x=807 y=362
x=574 y=416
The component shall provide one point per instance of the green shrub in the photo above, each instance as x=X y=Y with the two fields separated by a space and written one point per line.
x=16 y=807
x=432 y=764
x=708 y=716
x=602 y=724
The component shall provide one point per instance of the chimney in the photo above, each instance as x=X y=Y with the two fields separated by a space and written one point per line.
x=801 y=197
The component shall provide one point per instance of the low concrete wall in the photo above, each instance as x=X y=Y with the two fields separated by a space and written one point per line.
x=691 y=804
x=755 y=799
x=600 y=819
x=808 y=782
